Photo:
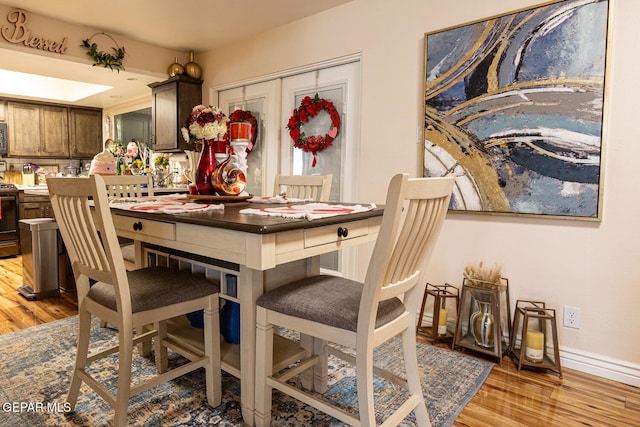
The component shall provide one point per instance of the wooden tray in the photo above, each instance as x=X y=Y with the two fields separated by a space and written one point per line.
x=220 y=199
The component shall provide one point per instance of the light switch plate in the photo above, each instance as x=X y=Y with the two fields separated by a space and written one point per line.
x=3 y=166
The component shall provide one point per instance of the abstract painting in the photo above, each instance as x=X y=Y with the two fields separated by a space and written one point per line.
x=514 y=107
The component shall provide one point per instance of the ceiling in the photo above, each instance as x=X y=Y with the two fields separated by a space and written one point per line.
x=203 y=25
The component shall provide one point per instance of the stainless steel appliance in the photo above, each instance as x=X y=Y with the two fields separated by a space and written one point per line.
x=40 y=249
x=9 y=220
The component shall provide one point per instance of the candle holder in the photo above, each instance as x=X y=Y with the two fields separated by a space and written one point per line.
x=445 y=302
x=534 y=339
x=484 y=321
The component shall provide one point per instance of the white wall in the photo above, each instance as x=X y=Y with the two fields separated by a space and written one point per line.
x=588 y=265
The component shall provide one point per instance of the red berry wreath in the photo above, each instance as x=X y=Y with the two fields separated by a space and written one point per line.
x=310 y=107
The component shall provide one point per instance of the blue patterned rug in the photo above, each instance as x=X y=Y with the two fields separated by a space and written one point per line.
x=36 y=364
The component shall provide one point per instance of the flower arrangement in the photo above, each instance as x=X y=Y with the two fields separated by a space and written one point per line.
x=162 y=160
x=484 y=277
x=310 y=107
x=205 y=123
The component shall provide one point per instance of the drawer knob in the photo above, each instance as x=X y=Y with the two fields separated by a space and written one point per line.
x=343 y=231
x=137 y=226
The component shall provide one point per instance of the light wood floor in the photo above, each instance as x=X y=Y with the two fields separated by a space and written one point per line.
x=507 y=398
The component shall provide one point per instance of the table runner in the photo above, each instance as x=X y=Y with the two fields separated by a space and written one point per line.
x=161 y=204
x=309 y=211
x=277 y=199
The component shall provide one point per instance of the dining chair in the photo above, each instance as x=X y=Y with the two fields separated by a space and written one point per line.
x=123 y=186
x=124 y=298
x=360 y=316
x=316 y=187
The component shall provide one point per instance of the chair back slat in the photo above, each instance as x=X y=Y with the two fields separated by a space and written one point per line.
x=81 y=209
x=77 y=219
x=128 y=185
x=315 y=187
x=413 y=216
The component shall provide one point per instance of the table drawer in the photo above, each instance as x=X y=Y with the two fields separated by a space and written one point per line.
x=159 y=229
x=334 y=233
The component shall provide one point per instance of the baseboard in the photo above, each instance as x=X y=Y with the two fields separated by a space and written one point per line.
x=590 y=363
x=601 y=366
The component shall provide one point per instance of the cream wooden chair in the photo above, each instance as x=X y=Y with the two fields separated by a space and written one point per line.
x=129 y=186
x=356 y=315
x=316 y=187
x=127 y=298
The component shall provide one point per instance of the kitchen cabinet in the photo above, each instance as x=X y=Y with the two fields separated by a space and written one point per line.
x=34 y=206
x=171 y=103
x=85 y=134
x=38 y=130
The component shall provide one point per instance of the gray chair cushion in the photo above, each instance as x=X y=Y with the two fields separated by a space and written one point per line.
x=155 y=287
x=329 y=300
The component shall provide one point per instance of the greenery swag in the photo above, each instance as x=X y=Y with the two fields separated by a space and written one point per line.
x=107 y=60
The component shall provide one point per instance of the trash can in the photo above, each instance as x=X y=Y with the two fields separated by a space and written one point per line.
x=39 y=242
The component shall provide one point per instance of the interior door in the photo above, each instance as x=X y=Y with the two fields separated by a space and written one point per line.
x=261 y=100
x=339 y=85
x=272 y=103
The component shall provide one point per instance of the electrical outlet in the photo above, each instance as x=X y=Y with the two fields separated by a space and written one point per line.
x=571 y=317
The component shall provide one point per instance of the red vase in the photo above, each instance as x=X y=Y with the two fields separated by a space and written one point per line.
x=206 y=167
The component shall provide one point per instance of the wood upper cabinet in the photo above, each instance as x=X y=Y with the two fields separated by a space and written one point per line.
x=24 y=128
x=43 y=130
x=54 y=133
x=85 y=134
x=171 y=103
x=37 y=130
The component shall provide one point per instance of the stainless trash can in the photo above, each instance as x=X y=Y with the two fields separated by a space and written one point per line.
x=39 y=241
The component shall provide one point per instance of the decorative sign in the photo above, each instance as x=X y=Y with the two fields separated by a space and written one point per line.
x=18 y=32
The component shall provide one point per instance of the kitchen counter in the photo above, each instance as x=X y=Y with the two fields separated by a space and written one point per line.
x=41 y=190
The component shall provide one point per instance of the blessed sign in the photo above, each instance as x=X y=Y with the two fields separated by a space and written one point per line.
x=17 y=32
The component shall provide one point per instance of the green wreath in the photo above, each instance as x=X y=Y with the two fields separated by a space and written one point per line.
x=107 y=60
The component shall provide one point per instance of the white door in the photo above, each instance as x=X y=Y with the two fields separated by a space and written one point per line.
x=272 y=103
x=341 y=86
x=261 y=99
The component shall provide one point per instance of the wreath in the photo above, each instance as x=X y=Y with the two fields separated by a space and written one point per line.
x=107 y=60
x=310 y=107
x=246 y=116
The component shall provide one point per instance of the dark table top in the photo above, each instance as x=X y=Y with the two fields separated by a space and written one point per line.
x=230 y=218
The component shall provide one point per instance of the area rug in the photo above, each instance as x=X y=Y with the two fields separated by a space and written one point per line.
x=36 y=364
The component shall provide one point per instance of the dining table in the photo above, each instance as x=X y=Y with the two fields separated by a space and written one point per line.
x=263 y=250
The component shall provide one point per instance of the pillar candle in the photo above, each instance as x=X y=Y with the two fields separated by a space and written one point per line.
x=535 y=346
x=240 y=131
x=442 y=322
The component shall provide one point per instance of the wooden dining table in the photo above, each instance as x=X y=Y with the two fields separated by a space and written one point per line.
x=263 y=251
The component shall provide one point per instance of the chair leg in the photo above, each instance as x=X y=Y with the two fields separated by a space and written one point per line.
x=306 y=377
x=144 y=348
x=162 y=358
x=320 y=369
x=84 y=332
x=364 y=384
x=125 y=360
x=264 y=369
x=413 y=376
x=212 y=348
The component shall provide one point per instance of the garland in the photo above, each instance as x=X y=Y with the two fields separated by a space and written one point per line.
x=246 y=116
x=310 y=107
x=107 y=60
